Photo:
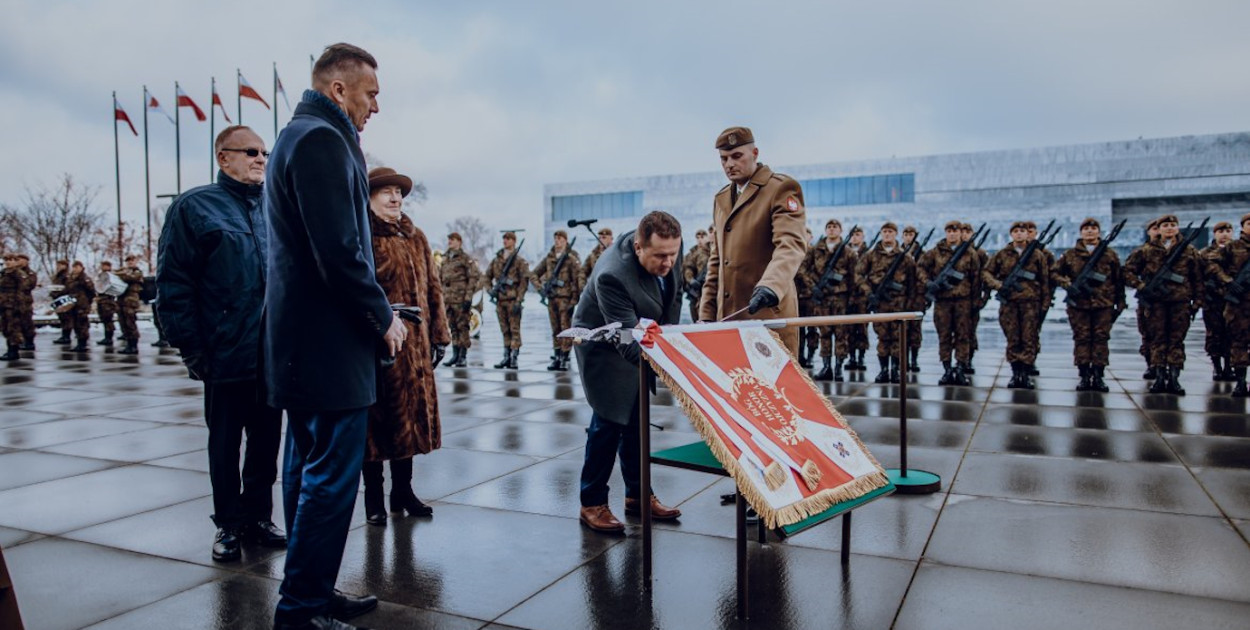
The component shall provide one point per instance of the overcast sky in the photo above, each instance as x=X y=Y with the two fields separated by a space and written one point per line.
x=485 y=102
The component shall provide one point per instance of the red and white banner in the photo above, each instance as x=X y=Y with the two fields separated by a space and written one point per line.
x=247 y=91
x=791 y=453
x=217 y=103
x=154 y=105
x=185 y=101
x=120 y=114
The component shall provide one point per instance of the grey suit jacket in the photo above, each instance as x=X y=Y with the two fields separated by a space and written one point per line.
x=620 y=290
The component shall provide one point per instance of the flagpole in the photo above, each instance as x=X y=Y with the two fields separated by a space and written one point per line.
x=147 y=174
x=177 y=148
x=238 y=90
x=212 y=119
x=275 y=101
x=117 y=172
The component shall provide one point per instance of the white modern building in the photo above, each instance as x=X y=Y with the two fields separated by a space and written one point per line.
x=1190 y=176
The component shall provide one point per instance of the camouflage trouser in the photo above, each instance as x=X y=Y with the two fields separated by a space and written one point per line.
x=66 y=321
x=833 y=339
x=1167 y=323
x=857 y=334
x=1142 y=329
x=950 y=318
x=107 y=310
x=1091 y=331
x=914 y=336
x=459 y=321
x=509 y=313
x=12 y=325
x=694 y=310
x=1238 y=318
x=888 y=332
x=974 y=323
x=1217 y=329
x=129 y=318
x=560 y=314
x=1036 y=342
x=810 y=336
x=1018 y=319
x=26 y=312
x=80 y=321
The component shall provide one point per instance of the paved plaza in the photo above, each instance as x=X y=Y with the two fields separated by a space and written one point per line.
x=1058 y=509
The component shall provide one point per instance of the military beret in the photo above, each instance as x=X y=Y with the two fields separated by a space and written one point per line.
x=605 y=231
x=9 y=257
x=1222 y=225
x=1152 y=224
x=561 y=233
x=62 y=261
x=1019 y=225
x=132 y=257
x=953 y=225
x=967 y=227
x=833 y=222
x=909 y=228
x=1029 y=225
x=77 y=263
x=1168 y=218
x=1091 y=221
x=22 y=257
x=454 y=236
x=1245 y=217
x=701 y=233
x=889 y=225
x=733 y=138
x=509 y=234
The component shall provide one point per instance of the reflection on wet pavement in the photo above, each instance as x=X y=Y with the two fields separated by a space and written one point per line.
x=1058 y=508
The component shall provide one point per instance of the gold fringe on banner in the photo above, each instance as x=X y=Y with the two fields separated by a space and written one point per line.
x=795 y=512
x=775 y=475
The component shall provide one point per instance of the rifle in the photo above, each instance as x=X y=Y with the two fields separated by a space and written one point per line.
x=874 y=241
x=1088 y=279
x=503 y=280
x=554 y=280
x=1152 y=290
x=981 y=242
x=915 y=251
x=1011 y=283
x=694 y=290
x=881 y=293
x=949 y=276
x=829 y=276
x=1239 y=286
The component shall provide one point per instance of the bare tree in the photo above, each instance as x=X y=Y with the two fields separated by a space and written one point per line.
x=478 y=239
x=53 y=222
x=103 y=244
x=419 y=195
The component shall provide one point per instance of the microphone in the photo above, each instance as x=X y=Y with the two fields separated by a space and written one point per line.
x=585 y=222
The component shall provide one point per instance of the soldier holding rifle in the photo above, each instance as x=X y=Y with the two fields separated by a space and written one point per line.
x=559 y=281
x=694 y=270
x=830 y=269
x=949 y=274
x=914 y=332
x=887 y=276
x=1232 y=269
x=506 y=282
x=1022 y=281
x=1152 y=232
x=1091 y=275
x=460 y=277
x=857 y=334
x=980 y=293
x=1213 y=305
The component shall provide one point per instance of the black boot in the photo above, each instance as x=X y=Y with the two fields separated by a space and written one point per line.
x=63 y=340
x=132 y=347
x=961 y=378
x=81 y=347
x=805 y=351
x=11 y=355
x=1239 y=390
x=826 y=372
x=455 y=356
x=884 y=375
x=512 y=357
x=966 y=366
x=107 y=340
x=402 y=496
x=375 y=508
x=1097 y=383
x=894 y=366
x=507 y=354
x=30 y=345
x=913 y=360
x=1085 y=385
x=837 y=370
x=1174 y=385
x=948 y=374
x=464 y=357
x=1014 y=383
x=554 y=366
x=1020 y=376
x=1151 y=373
x=1030 y=369
x=1228 y=375
x=1160 y=384
x=1217 y=369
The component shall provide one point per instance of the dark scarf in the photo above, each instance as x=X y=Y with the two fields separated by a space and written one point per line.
x=321 y=101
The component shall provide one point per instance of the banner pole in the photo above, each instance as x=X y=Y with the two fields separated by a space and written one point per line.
x=147 y=172
x=908 y=480
x=117 y=172
x=275 y=102
x=177 y=144
x=238 y=92
x=644 y=454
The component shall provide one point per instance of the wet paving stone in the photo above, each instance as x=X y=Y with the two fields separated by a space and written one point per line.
x=17 y=417
x=1230 y=489
x=10 y=538
x=922 y=433
x=138 y=446
x=68 y=430
x=525 y=438
x=1212 y=451
x=1067 y=417
x=1083 y=443
x=23 y=468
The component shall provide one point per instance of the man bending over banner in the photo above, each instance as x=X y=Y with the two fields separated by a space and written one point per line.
x=638 y=276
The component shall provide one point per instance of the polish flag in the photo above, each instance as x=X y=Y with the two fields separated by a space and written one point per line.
x=217 y=103
x=277 y=84
x=155 y=106
x=247 y=91
x=185 y=101
x=120 y=114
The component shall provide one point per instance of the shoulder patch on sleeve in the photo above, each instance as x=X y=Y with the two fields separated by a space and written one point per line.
x=792 y=203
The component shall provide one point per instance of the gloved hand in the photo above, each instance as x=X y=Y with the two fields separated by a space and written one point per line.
x=436 y=355
x=197 y=366
x=761 y=298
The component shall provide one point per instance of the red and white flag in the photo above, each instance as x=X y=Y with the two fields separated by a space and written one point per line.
x=790 y=452
x=247 y=91
x=277 y=86
x=185 y=101
x=155 y=106
x=217 y=102
x=120 y=114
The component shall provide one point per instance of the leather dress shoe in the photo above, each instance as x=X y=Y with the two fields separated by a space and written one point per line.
x=323 y=622
x=659 y=511
x=600 y=519
x=344 y=606
x=264 y=533
x=226 y=545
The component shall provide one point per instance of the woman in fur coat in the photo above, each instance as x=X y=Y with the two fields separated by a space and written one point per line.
x=404 y=421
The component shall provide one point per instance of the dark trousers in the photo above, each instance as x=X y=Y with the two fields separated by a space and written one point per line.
x=320 y=477
x=604 y=441
x=231 y=410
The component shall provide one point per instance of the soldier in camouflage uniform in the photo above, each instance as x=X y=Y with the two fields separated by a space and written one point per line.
x=605 y=241
x=26 y=302
x=509 y=298
x=128 y=304
x=1152 y=232
x=10 y=299
x=1170 y=310
x=106 y=309
x=1019 y=313
x=914 y=333
x=460 y=279
x=857 y=334
x=694 y=270
x=1047 y=300
x=870 y=273
x=564 y=280
x=1092 y=314
x=980 y=297
x=809 y=338
x=59 y=277
x=1233 y=259
x=1213 y=306
x=79 y=285
x=952 y=308
x=831 y=299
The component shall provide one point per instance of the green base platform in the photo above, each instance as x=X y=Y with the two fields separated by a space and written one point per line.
x=916 y=481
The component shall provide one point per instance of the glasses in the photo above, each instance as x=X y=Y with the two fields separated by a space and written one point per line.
x=249 y=152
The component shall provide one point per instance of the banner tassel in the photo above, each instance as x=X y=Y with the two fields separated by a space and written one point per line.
x=811 y=475
x=775 y=476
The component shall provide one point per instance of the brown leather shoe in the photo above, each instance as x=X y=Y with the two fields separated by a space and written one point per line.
x=600 y=519
x=659 y=511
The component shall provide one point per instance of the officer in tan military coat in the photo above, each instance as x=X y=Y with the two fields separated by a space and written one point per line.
x=561 y=278
x=460 y=278
x=758 y=244
x=507 y=282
